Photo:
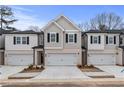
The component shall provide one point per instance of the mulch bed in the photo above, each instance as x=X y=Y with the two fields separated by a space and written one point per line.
x=32 y=70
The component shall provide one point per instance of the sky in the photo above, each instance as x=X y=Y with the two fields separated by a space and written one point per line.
x=40 y=15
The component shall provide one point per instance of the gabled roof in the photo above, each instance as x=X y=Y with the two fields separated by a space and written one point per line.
x=54 y=21
x=70 y=21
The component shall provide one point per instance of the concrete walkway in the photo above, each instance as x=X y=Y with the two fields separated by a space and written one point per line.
x=61 y=72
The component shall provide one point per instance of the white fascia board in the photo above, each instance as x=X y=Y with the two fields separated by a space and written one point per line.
x=68 y=20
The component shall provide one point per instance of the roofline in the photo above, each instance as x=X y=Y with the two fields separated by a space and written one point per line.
x=54 y=21
x=68 y=20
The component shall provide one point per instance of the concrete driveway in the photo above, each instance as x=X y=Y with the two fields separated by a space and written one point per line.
x=61 y=72
x=115 y=70
x=6 y=71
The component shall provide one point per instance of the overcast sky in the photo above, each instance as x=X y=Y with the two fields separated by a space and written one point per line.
x=35 y=15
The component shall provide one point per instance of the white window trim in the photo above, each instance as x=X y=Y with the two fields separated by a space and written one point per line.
x=22 y=40
x=50 y=37
x=73 y=38
x=112 y=40
x=17 y=40
x=97 y=40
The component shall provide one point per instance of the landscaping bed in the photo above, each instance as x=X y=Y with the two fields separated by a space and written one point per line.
x=32 y=68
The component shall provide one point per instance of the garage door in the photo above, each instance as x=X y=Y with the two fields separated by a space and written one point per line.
x=105 y=59
x=19 y=59
x=61 y=59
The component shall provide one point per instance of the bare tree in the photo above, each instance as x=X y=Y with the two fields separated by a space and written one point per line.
x=105 y=21
x=34 y=28
x=84 y=26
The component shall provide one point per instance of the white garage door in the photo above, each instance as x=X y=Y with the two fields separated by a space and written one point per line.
x=19 y=59
x=105 y=59
x=61 y=59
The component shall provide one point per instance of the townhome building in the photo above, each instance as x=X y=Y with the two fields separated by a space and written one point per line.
x=19 y=46
x=62 y=43
x=59 y=43
x=103 y=47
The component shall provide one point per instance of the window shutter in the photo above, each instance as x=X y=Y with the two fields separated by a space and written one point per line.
x=28 y=40
x=106 y=39
x=57 y=37
x=91 y=39
x=75 y=38
x=121 y=40
x=99 y=39
x=48 y=37
x=66 y=38
x=114 y=39
x=14 y=40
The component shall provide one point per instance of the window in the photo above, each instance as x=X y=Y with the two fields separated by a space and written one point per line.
x=18 y=40
x=111 y=40
x=24 y=40
x=71 y=38
x=95 y=39
x=53 y=37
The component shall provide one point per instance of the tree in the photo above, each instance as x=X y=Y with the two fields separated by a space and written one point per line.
x=84 y=26
x=107 y=21
x=6 y=18
x=34 y=28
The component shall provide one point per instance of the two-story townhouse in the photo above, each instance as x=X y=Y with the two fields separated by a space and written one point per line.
x=2 y=45
x=62 y=42
x=122 y=47
x=20 y=46
x=103 y=47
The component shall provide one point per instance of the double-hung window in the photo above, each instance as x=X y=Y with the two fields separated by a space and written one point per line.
x=18 y=40
x=111 y=40
x=95 y=39
x=24 y=40
x=53 y=37
x=71 y=38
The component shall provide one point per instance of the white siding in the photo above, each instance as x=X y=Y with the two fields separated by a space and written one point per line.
x=96 y=46
x=33 y=41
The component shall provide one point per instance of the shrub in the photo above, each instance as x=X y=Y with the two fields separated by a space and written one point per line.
x=30 y=66
x=79 y=66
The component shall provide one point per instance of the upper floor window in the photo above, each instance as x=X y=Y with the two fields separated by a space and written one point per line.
x=24 y=40
x=20 y=40
x=95 y=39
x=53 y=37
x=71 y=38
x=110 y=39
